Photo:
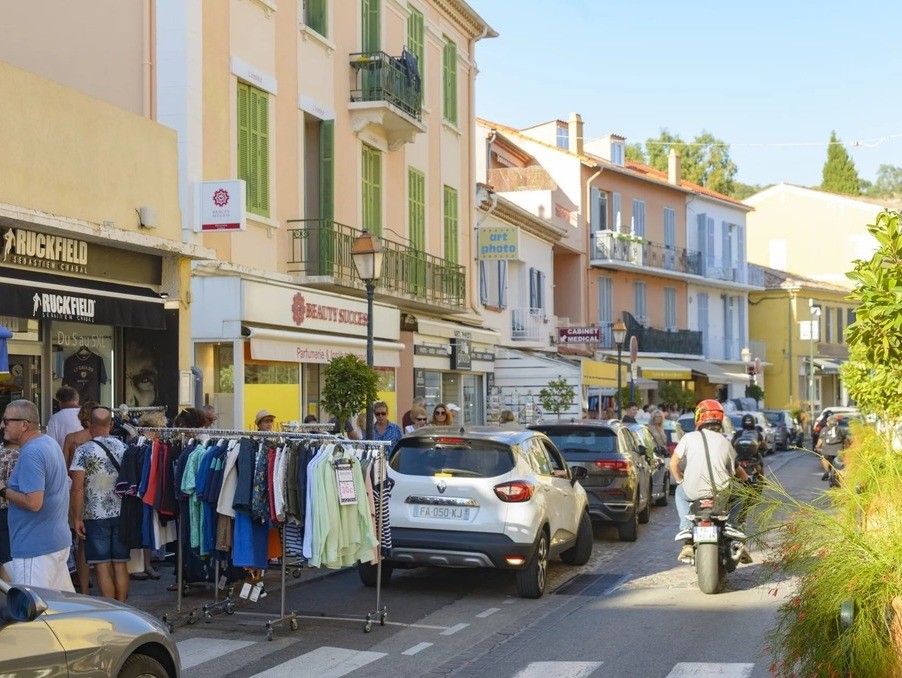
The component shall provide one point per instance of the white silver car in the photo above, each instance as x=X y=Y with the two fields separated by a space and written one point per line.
x=485 y=497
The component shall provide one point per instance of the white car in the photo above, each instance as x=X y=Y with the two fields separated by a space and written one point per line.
x=485 y=497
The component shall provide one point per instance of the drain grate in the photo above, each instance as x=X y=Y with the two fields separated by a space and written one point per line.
x=591 y=585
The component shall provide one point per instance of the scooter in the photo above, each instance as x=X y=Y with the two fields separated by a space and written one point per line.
x=717 y=547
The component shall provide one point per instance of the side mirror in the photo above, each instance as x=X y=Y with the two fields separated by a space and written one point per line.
x=578 y=473
x=23 y=605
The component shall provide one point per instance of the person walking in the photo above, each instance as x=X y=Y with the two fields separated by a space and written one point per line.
x=38 y=496
x=65 y=421
x=830 y=444
x=418 y=415
x=95 y=471
x=9 y=455
x=629 y=417
x=385 y=429
x=73 y=441
x=408 y=418
x=656 y=426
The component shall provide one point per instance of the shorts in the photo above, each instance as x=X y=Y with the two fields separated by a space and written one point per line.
x=47 y=571
x=102 y=543
x=5 y=554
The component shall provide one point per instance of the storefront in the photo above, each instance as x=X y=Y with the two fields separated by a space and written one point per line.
x=452 y=363
x=85 y=315
x=263 y=345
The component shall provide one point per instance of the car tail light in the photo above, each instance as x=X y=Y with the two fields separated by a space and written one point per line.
x=514 y=492
x=451 y=441
x=515 y=561
x=621 y=465
x=705 y=523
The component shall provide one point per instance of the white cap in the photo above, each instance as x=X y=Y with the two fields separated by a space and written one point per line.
x=453 y=407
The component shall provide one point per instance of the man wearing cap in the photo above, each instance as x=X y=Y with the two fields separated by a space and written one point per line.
x=264 y=420
x=453 y=411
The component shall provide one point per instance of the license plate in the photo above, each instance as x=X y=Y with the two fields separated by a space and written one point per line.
x=441 y=512
x=705 y=534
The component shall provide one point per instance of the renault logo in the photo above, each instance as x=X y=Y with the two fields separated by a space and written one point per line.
x=441 y=486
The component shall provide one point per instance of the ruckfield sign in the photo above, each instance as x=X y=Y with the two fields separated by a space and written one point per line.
x=44 y=251
x=222 y=206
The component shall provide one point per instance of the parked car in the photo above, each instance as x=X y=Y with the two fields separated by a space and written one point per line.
x=761 y=424
x=822 y=419
x=785 y=428
x=55 y=633
x=485 y=497
x=656 y=456
x=619 y=476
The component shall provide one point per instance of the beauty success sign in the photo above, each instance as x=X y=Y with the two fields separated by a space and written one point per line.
x=222 y=206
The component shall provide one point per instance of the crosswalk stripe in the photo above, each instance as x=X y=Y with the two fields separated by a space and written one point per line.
x=419 y=647
x=489 y=612
x=558 y=669
x=451 y=630
x=323 y=662
x=195 y=651
x=710 y=670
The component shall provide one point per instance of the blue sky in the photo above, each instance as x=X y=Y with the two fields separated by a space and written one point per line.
x=771 y=78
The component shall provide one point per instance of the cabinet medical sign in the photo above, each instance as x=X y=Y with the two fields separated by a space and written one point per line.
x=499 y=243
x=222 y=206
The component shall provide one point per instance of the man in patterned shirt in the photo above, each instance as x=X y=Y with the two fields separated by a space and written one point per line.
x=95 y=505
x=9 y=455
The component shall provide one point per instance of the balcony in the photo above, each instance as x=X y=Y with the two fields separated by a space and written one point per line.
x=610 y=247
x=651 y=340
x=386 y=94
x=321 y=253
x=527 y=324
x=507 y=179
x=726 y=270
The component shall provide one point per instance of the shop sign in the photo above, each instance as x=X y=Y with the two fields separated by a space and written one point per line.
x=434 y=351
x=578 y=335
x=461 y=358
x=222 y=206
x=502 y=242
x=301 y=310
x=41 y=250
x=63 y=307
x=488 y=356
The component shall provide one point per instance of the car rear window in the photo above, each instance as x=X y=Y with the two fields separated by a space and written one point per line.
x=466 y=458
x=583 y=444
x=775 y=418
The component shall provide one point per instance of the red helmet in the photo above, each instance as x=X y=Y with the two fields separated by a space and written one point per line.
x=708 y=412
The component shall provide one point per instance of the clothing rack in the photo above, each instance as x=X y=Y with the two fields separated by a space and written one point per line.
x=229 y=604
x=132 y=410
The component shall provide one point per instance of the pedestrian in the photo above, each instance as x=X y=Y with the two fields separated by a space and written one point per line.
x=73 y=441
x=453 y=412
x=210 y=417
x=358 y=427
x=408 y=419
x=830 y=444
x=609 y=413
x=311 y=419
x=631 y=410
x=38 y=497
x=9 y=455
x=440 y=416
x=507 y=417
x=264 y=420
x=95 y=471
x=385 y=429
x=66 y=420
x=418 y=414
x=656 y=426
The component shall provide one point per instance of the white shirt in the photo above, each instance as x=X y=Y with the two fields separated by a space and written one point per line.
x=63 y=423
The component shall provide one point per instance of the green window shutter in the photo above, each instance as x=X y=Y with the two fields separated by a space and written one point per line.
x=316 y=15
x=369 y=38
x=452 y=234
x=449 y=81
x=372 y=190
x=263 y=152
x=244 y=139
x=415 y=42
x=327 y=169
x=253 y=146
x=417 y=208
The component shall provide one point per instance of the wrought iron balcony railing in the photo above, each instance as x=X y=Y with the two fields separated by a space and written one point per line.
x=527 y=324
x=395 y=80
x=322 y=248
x=651 y=340
x=613 y=246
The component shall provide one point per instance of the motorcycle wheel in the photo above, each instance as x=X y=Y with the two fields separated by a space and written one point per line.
x=707 y=568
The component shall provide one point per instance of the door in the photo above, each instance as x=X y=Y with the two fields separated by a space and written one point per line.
x=568 y=512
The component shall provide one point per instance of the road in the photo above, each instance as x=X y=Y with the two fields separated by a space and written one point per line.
x=633 y=610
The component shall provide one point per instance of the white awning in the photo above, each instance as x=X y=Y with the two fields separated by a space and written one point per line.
x=826 y=366
x=308 y=347
x=660 y=369
x=713 y=373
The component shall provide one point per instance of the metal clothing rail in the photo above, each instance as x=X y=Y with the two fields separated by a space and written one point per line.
x=228 y=604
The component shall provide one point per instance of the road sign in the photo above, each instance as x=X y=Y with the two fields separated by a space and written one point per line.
x=634 y=348
x=809 y=330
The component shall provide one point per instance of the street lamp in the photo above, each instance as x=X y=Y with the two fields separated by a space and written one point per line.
x=618 y=329
x=813 y=335
x=746 y=356
x=366 y=253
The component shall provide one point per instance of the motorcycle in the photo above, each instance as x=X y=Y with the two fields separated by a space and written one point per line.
x=715 y=552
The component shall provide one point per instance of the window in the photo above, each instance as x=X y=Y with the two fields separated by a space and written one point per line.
x=371 y=189
x=639 y=302
x=326 y=169
x=617 y=153
x=493 y=283
x=669 y=228
x=599 y=207
x=253 y=146
x=416 y=208
x=369 y=26
x=536 y=290
x=415 y=41
x=615 y=211
x=315 y=16
x=638 y=225
x=850 y=316
x=319 y=177
x=451 y=226
x=670 y=309
x=563 y=137
x=449 y=81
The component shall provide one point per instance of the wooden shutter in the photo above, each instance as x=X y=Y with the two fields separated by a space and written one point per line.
x=316 y=16
x=449 y=81
x=703 y=321
x=371 y=189
x=451 y=229
x=416 y=208
x=415 y=41
x=502 y=283
x=369 y=38
x=262 y=134
x=244 y=139
x=327 y=169
x=605 y=300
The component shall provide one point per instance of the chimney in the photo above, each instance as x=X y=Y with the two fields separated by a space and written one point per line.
x=673 y=167
x=575 y=133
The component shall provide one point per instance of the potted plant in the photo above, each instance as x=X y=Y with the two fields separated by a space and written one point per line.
x=349 y=385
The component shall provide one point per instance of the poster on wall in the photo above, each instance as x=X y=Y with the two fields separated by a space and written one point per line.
x=150 y=375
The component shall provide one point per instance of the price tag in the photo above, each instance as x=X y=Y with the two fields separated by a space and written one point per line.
x=256 y=592
x=347 y=493
x=245 y=590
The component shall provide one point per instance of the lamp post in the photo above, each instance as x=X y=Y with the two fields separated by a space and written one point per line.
x=813 y=335
x=618 y=329
x=366 y=253
x=746 y=356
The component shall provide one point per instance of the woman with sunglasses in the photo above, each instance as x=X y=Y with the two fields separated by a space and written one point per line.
x=418 y=415
x=440 y=416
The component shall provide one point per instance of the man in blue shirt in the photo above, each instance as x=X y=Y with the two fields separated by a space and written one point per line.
x=38 y=496
x=385 y=429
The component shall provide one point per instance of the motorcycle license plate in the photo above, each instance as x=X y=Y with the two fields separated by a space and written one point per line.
x=704 y=534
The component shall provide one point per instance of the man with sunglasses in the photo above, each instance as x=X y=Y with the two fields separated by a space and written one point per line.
x=385 y=429
x=38 y=496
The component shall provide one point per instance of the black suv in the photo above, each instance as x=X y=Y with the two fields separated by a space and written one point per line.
x=619 y=476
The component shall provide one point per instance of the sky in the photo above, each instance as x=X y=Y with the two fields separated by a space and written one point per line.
x=771 y=78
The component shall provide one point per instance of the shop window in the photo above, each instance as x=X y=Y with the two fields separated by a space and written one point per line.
x=83 y=359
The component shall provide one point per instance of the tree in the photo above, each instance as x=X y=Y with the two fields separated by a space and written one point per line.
x=673 y=394
x=635 y=153
x=349 y=385
x=839 y=174
x=557 y=397
x=704 y=161
x=888 y=183
x=754 y=391
x=742 y=191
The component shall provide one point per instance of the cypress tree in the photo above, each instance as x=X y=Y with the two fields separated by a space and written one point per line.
x=839 y=174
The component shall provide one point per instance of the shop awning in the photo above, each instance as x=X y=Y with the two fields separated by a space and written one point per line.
x=826 y=366
x=287 y=346
x=713 y=373
x=660 y=369
x=597 y=373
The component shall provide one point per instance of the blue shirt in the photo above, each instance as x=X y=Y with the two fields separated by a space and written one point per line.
x=41 y=468
x=392 y=432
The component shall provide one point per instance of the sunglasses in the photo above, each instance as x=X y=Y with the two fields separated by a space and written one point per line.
x=421 y=418
x=381 y=414
x=440 y=412
x=6 y=420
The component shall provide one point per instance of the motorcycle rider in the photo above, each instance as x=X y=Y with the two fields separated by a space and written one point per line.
x=750 y=431
x=694 y=481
